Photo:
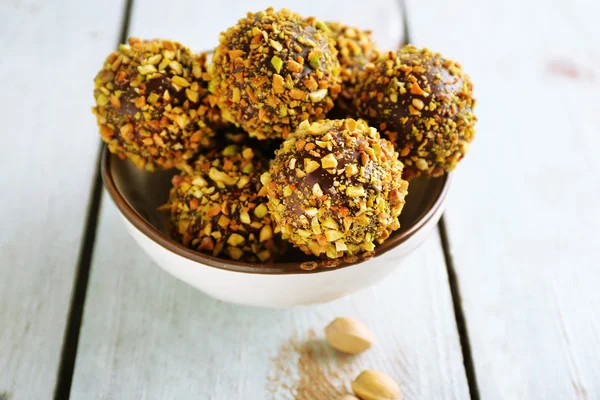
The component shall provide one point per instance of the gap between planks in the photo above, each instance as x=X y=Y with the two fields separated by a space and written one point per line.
x=459 y=314
x=80 y=283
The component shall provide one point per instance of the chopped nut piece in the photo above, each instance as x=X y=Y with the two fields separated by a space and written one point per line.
x=317 y=190
x=276 y=45
x=199 y=181
x=176 y=66
x=147 y=69
x=235 y=95
x=293 y=66
x=266 y=233
x=235 y=253
x=278 y=83
x=242 y=182
x=311 y=211
x=178 y=80
x=355 y=191
x=340 y=246
x=413 y=111
x=332 y=236
x=102 y=100
x=297 y=94
x=330 y=223
x=311 y=84
x=277 y=63
x=245 y=218
x=235 y=239
x=317 y=95
x=248 y=153
x=153 y=98
x=265 y=178
x=421 y=164
x=220 y=177
x=264 y=255
x=233 y=54
x=416 y=89
x=329 y=161
x=192 y=95
x=351 y=170
x=310 y=165
x=261 y=211
x=418 y=103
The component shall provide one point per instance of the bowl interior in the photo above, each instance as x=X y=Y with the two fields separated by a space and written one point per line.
x=138 y=194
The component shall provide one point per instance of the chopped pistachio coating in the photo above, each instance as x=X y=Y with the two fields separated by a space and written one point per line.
x=208 y=109
x=216 y=208
x=273 y=70
x=152 y=105
x=335 y=188
x=355 y=50
x=424 y=104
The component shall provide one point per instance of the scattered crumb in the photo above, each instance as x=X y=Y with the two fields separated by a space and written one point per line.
x=305 y=368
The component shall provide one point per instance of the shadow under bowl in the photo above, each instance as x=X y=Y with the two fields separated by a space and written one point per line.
x=137 y=195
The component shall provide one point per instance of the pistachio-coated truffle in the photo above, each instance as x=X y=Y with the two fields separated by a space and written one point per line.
x=216 y=208
x=335 y=188
x=273 y=70
x=424 y=103
x=150 y=103
x=355 y=50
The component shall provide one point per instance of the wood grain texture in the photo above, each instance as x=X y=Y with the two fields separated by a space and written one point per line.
x=51 y=52
x=524 y=217
x=147 y=335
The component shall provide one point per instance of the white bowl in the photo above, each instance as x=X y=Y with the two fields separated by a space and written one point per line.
x=137 y=194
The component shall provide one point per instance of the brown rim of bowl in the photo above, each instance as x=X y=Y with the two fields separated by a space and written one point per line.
x=237 y=266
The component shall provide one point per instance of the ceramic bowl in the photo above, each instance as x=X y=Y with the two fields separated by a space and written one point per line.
x=137 y=194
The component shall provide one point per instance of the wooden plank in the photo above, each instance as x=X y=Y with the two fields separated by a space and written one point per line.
x=523 y=220
x=51 y=54
x=147 y=335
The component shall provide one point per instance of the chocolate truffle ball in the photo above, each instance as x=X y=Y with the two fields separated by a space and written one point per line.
x=273 y=70
x=424 y=103
x=335 y=188
x=355 y=50
x=150 y=103
x=216 y=208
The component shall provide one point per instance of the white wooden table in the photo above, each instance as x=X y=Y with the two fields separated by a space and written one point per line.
x=502 y=302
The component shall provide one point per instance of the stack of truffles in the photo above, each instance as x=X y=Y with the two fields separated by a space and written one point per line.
x=351 y=124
